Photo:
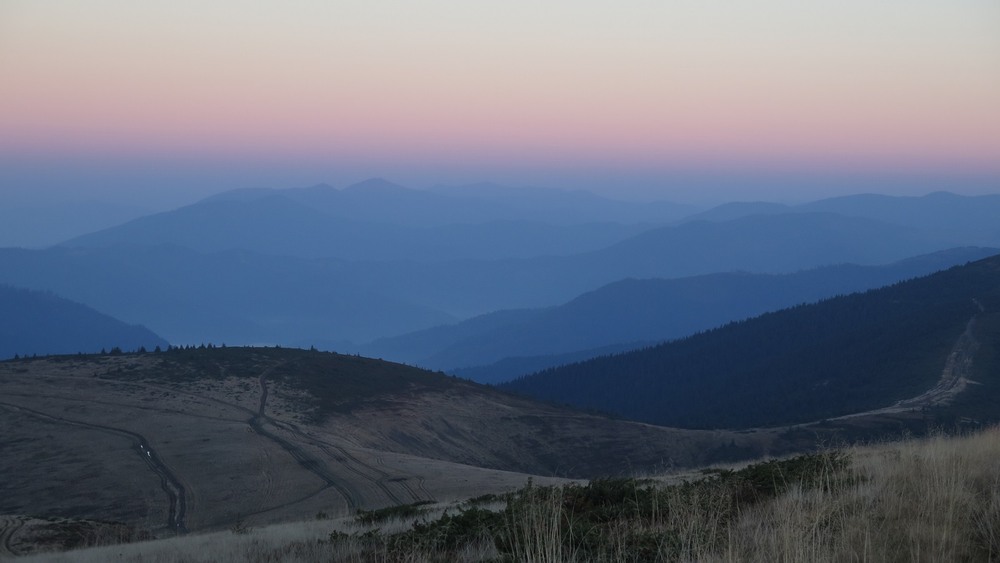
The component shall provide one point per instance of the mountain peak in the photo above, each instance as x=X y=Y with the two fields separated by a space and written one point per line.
x=376 y=185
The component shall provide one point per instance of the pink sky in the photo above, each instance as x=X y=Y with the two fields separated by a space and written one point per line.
x=902 y=86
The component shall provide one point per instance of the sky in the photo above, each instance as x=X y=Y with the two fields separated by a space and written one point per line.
x=159 y=102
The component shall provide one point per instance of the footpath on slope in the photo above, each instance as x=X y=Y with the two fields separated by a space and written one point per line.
x=954 y=377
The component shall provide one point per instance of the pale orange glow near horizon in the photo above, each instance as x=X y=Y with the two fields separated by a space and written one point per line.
x=900 y=85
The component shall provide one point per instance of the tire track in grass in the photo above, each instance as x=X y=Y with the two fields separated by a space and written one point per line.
x=255 y=422
x=9 y=525
x=168 y=481
x=405 y=483
x=377 y=476
x=351 y=497
x=268 y=485
x=308 y=462
x=353 y=464
x=422 y=489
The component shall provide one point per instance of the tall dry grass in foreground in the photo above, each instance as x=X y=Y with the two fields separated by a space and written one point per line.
x=935 y=499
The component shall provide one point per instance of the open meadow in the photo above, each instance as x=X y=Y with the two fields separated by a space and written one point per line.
x=931 y=499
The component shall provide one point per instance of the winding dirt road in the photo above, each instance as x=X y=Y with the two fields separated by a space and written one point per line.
x=368 y=472
x=9 y=525
x=954 y=377
x=168 y=481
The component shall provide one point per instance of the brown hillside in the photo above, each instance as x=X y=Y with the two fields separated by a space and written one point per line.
x=197 y=439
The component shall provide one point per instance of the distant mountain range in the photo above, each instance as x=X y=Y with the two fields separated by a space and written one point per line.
x=279 y=225
x=940 y=215
x=759 y=243
x=840 y=356
x=39 y=226
x=637 y=311
x=380 y=201
x=36 y=322
x=227 y=297
x=269 y=266
x=378 y=220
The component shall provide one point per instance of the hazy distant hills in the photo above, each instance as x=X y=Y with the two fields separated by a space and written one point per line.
x=842 y=355
x=269 y=266
x=379 y=201
x=631 y=311
x=241 y=297
x=768 y=243
x=36 y=322
x=38 y=226
x=760 y=244
x=378 y=220
x=941 y=215
x=275 y=223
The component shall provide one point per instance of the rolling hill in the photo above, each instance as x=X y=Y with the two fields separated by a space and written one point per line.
x=194 y=439
x=36 y=322
x=843 y=355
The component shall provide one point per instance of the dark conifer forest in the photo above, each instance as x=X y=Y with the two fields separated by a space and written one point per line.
x=842 y=355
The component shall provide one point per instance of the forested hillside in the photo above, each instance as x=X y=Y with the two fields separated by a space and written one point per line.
x=840 y=356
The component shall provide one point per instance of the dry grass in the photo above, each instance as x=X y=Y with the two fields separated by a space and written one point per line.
x=935 y=499
x=930 y=500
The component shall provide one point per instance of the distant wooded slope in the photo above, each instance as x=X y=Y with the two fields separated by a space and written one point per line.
x=37 y=322
x=840 y=356
x=629 y=311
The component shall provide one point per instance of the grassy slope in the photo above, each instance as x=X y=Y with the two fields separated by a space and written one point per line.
x=377 y=434
x=337 y=433
x=936 y=499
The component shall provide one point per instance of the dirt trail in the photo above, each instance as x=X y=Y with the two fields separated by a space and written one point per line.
x=305 y=459
x=289 y=438
x=377 y=477
x=954 y=377
x=352 y=463
x=9 y=525
x=168 y=481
